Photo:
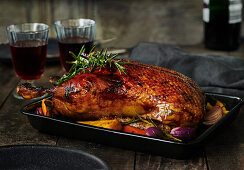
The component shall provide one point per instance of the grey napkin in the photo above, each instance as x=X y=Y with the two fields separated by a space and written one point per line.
x=221 y=74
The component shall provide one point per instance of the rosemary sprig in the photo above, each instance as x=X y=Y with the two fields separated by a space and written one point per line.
x=144 y=120
x=170 y=136
x=93 y=60
x=154 y=124
x=131 y=121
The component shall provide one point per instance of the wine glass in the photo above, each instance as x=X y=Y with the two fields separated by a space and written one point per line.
x=72 y=34
x=28 y=47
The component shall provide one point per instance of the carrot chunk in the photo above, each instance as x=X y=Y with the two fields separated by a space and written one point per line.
x=45 y=109
x=131 y=129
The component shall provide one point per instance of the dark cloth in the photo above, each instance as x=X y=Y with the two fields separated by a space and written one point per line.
x=220 y=74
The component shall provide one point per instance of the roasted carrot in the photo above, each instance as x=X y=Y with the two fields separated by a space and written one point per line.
x=219 y=103
x=131 y=129
x=45 y=109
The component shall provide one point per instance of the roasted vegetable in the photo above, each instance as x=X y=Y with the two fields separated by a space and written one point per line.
x=108 y=124
x=154 y=132
x=45 y=109
x=165 y=128
x=131 y=129
x=140 y=125
x=38 y=111
x=212 y=116
x=209 y=106
x=184 y=133
x=219 y=103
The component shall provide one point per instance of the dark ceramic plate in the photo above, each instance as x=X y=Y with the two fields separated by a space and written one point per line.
x=141 y=143
x=29 y=157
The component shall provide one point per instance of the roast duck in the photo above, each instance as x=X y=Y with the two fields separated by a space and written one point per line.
x=160 y=94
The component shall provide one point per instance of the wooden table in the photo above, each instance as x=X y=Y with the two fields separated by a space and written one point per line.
x=225 y=151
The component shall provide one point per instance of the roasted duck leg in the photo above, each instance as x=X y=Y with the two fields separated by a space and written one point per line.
x=153 y=92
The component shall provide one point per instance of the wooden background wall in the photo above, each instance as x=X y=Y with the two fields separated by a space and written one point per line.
x=129 y=21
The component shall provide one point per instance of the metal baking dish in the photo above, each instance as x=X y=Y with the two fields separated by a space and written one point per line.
x=173 y=149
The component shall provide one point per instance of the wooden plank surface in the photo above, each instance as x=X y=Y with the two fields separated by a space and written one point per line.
x=148 y=161
x=116 y=158
x=8 y=81
x=15 y=128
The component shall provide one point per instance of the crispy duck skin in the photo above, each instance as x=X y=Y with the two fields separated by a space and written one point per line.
x=27 y=91
x=153 y=92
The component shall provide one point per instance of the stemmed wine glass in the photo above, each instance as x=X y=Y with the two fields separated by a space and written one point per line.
x=28 y=47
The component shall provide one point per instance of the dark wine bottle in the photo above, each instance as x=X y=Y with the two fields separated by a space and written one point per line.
x=222 y=24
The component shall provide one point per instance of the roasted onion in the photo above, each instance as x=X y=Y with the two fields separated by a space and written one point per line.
x=154 y=132
x=38 y=111
x=213 y=115
x=183 y=133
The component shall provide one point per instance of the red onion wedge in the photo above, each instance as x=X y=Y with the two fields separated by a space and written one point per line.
x=38 y=111
x=213 y=116
x=154 y=132
x=183 y=133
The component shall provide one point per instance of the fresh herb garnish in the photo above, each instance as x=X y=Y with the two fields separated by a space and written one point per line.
x=93 y=60
x=131 y=121
x=144 y=120
x=170 y=136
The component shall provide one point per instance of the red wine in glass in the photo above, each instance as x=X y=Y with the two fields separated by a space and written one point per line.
x=73 y=44
x=29 y=57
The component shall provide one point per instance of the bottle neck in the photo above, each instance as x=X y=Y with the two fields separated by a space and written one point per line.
x=218 y=5
x=229 y=11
